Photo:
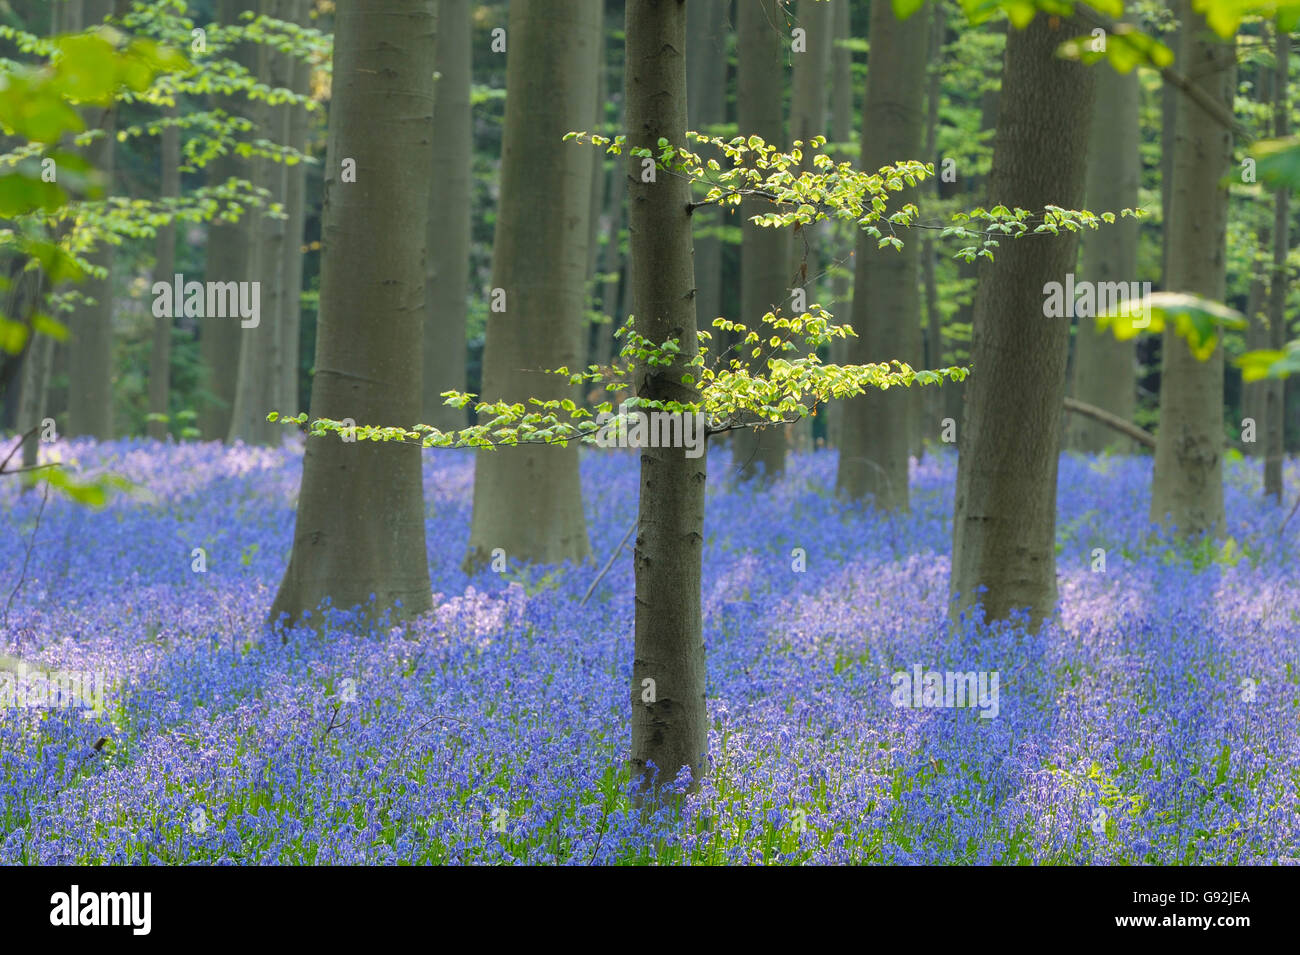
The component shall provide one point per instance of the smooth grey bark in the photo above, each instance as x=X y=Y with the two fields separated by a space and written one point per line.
x=231 y=257
x=1004 y=528
x=90 y=348
x=1187 y=487
x=842 y=124
x=765 y=263
x=706 y=105
x=449 y=220
x=295 y=210
x=160 y=351
x=929 y=421
x=1105 y=373
x=360 y=522
x=24 y=296
x=808 y=104
x=261 y=372
x=1279 y=281
x=875 y=448
x=528 y=499
x=669 y=713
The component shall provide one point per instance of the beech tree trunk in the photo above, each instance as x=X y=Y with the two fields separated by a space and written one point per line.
x=295 y=209
x=351 y=541
x=765 y=264
x=528 y=499
x=160 y=352
x=1009 y=444
x=90 y=352
x=449 y=220
x=1187 y=488
x=842 y=123
x=931 y=414
x=808 y=103
x=706 y=102
x=231 y=257
x=669 y=713
x=261 y=373
x=1105 y=368
x=875 y=448
x=1274 y=393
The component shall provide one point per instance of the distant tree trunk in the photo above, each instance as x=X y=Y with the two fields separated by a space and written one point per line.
x=842 y=121
x=1004 y=529
x=1257 y=337
x=932 y=398
x=295 y=210
x=449 y=220
x=231 y=257
x=669 y=713
x=1104 y=367
x=875 y=448
x=1187 y=488
x=90 y=353
x=808 y=119
x=1274 y=415
x=706 y=105
x=160 y=353
x=528 y=499
x=351 y=541
x=261 y=374
x=765 y=266
x=24 y=296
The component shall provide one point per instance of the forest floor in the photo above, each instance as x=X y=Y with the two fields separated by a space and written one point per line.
x=1153 y=720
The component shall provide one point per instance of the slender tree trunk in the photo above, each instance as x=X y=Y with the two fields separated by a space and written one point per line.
x=160 y=354
x=295 y=209
x=765 y=267
x=1004 y=530
x=1187 y=488
x=1257 y=337
x=261 y=373
x=706 y=73
x=842 y=121
x=932 y=398
x=90 y=355
x=231 y=257
x=669 y=714
x=351 y=542
x=449 y=220
x=808 y=119
x=528 y=499
x=1105 y=368
x=1280 y=281
x=24 y=297
x=875 y=448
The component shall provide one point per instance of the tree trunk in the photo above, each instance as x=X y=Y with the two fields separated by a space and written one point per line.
x=528 y=500
x=808 y=103
x=231 y=257
x=1274 y=389
x=295 y=209
x=706 y=74
x=842 y=121
x=449 y=220
x=1009 y=445
x=765 y=267
x=360 y=520
x=932 y=398
x=1104 y=367
x=875 y=448
x=160 y=353
x=261 y=373
x=1187 y=488
x=669 y=714
x=90 y=354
